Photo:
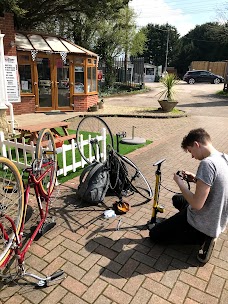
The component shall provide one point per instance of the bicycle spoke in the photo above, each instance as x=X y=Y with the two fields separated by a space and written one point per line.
x=46 y=160
x=137 y=179
x=11 y=205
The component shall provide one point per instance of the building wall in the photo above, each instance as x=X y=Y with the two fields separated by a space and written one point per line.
x=82 y=103
x=27 y=104
x=25 y=107
x=7 y=28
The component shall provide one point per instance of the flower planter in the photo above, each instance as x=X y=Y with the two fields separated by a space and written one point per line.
x=94 y=108
x=101 y=105
x=167 y=106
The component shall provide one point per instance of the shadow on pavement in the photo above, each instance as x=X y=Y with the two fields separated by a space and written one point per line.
x=211 y=104
x=128 y=257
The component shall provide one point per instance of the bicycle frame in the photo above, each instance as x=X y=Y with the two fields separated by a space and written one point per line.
x=16 y=245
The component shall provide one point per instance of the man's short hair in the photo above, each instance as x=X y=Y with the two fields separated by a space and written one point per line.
x=199 y=135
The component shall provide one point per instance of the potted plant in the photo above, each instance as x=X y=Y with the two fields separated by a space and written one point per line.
x=166 y=96
x=93 y=108
x=101 y=104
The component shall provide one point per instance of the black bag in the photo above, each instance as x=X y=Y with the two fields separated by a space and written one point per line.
x=94 y=183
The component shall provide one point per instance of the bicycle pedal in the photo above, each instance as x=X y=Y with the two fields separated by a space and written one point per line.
x=46 y=227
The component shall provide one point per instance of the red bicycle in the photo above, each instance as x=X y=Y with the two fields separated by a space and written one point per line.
x=14 y=199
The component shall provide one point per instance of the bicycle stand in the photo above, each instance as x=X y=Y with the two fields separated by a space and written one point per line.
x=43 y=282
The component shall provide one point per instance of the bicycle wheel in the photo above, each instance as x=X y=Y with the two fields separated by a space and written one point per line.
x=137 y=179
x=11 y=205
x=89 y=139
x=46 y=160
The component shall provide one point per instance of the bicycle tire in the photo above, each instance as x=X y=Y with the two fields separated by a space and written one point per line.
x=11 y=204
x=90 y=128
x=136 y=178
x=46 y=157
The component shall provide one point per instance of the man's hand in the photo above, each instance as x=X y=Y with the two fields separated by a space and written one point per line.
x=197 y=199
x=178 y=178
x=189 y=176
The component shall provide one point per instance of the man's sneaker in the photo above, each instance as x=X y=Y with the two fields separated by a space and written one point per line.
x=206 y=250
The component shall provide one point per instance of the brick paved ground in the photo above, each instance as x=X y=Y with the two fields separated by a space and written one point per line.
x=106 y=266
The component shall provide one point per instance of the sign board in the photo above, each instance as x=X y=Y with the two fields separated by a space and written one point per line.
x=12 y=79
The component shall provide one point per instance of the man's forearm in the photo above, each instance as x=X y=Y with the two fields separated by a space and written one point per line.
x=188 y=195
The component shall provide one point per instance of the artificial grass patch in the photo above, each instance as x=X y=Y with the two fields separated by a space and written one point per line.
x=123 y=150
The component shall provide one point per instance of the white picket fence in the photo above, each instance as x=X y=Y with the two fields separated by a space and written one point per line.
x=14 y=150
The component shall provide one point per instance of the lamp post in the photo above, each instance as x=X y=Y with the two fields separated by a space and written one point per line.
x=167 y=52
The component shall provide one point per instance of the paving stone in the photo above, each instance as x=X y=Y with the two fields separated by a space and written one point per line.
x=117 y=295
x=134 y=283
x=128 y=268
x=73 y=270
x=193 y=281
x=158 y=300
x=94 y=291
x=34 y=296
x=202 y=297
x=113 y=278
x=141 y=297
x=74 y=286
x=215 y=285
x=157 y=288
x=178 y=293
x=53 y=254
x=105 y=266
x=16 y=299
x=72 y=299
x=103 y=300
x=55 y=296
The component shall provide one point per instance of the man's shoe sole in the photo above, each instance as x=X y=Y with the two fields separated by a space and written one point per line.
x=206 y=258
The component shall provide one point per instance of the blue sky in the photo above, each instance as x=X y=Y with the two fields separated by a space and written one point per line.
x=183 y=14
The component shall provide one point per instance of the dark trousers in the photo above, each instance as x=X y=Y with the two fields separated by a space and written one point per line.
x=176 y=229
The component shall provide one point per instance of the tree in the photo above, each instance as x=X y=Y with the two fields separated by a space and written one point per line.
x=116 y=37
x=29 y=14
x=207 y=42
x=132 y=42
x=156 y=44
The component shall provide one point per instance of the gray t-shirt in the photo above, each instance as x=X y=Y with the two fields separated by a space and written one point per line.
x=212 y=218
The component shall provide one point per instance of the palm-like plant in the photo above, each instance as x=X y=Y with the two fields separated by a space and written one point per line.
x=169 y=81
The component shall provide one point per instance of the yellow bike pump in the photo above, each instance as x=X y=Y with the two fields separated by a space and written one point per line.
x=156 y=207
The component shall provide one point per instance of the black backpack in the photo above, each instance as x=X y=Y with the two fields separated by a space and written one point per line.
x=119 y=183
x=94 y=183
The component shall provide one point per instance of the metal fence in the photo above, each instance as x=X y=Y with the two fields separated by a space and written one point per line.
x=130 y=72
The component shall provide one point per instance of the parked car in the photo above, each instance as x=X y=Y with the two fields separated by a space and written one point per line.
x=202 y=76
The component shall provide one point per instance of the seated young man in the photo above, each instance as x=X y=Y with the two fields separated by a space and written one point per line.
x=202 y=215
